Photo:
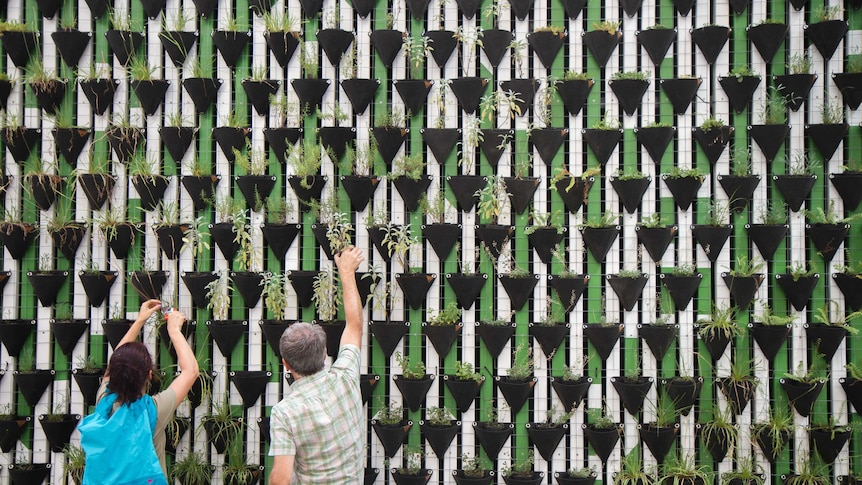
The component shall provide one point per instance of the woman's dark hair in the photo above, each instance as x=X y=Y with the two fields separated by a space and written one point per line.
x=129 y=370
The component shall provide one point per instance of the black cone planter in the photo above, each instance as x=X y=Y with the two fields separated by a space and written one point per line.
x=439 y=437
x=201 y=189
x=310 y=92
x=681 y=288
x=767 y=445
x=230 y=138
x=58 y=432
x=197 y=282
x=255 y=189
x=519 y=289
x=442 y=336
x=683 y=189
x=231 y=45
x=411 y=191
x=738 y=393
x=632 y=392
x=30 y=474
x=334 y=43
x=827 y=238
x=494 y=144
x=69 y=142
x=170 y=239
x=319 y=231
x=177 y=45
x=683 y=7
x=544 y=240
x=492 y=436
x=336 y=138
x=387 y=43
x=683 y=392
x=227 y=334
x=389 y=141
x=124 y=44
x=599 y=240
x=569 y=288
x=151 y=189
x=739 y=189
x=603 y=441
x=443 y=42
x=272 y=331
x=658 y=439
x=45 y=188
x=853 y=388
x=656 y=239
x=549 y=336
x=571 y=393
x=442 y=237
x=631 y=191
x=463 y=391
x=767 y=237
x=282 y=45
x=360 y=92
x=602 y=142
x=546 y=45
x=19 y=46
x=711 y=238
x=742 y=288
x=17 y=238
x=68 y=332
x=203 y=91
x=391 y=436
x=769 y=338
x=388 y=334
x=280 y=138
x=573 y=10
x=33 y=384
x=47 y=285
x=13 y=334
x=20 y=141
x=601 y=44
x=308 y=190
x=367 y=383
x=716 y=344
x=850 y=84
x=802 y=394
x=413 y=390
x=603 y=337
x=826 y=35
x=115 y=330
x=851 y=288
x=88 y=382
x=124 y=141
x=515 y=391
x=628 y=290
x=465 y=188
x=415 y=287
x=825 y=338
x=251 y=384
x=656 y=42
x=467 y=287
x=495 y=337
x=148 y=284
x=769 y=138
x=495 y=43
x=658 y=337
x=248 y=285
x=68 y=238
x=711 y=40
x=847 y=184
x=100 y=93
x=795 y=88
x=574 y=191
x=521 y=191
x=829 y=442
x=798 y=290
x=414 y=93
x=151 y=94
x=49 y=94
x=574 y=94
x=468 y=91
x=122 y=240
x=547 y=142
x=739 y=90
x=546 y=438
x=767 y=38
x=441 y=141
x=302 y=282
x=279 y=237
x=468 y=8
x=655 y=140
x=629 y=92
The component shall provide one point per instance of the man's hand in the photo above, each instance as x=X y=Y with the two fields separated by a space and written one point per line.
x=148 y=308
x=348 y=260
x=175 y=321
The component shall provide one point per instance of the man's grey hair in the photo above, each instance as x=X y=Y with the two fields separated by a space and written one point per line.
x=303 y=347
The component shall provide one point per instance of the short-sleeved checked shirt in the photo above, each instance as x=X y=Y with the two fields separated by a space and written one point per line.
x=319 y=422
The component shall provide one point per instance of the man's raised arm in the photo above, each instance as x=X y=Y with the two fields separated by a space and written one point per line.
x=348 y=262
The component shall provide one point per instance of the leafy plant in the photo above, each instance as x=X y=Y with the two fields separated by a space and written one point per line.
x=193 y=469
x=824 y=316
x=721 y=321
x=450 y=315
x=632 y=471
x=679 y=469
x=747 y=471
x=773 y=213
x=608 y=26
x=472 y=466
x=519 y=468
x=599 y=418
x=774 y=108
x=439 y=416
x=832 y=112
x=711 y=123
x=766 y=317
x=776 y=428
x=74 y=462
x=745 y=267
x=326 y=297
x=799 y=63
x=412 y=167
x=409 y=369
x=274 y=292
x=608 y=219
x=464 y=372
x=492 y=197
x=720 y=429
x=631 y=76
x=218 y=295
x=390 y=415
x=523 y=362
x=742 y=72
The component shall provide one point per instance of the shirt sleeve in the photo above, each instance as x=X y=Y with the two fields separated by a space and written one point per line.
x=347 y=360
x=281 y=438
x=166 y=404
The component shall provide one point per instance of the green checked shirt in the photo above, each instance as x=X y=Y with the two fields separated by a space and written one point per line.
x=319 y=422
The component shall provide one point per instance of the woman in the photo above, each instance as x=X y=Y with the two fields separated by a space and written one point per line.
x=125 y=415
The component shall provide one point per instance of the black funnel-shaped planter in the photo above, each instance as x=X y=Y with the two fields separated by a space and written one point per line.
x=17 y=238
x=33 y=384
x=739 y=189
x=68 y=238
x=495 y=337
x=336 y=138
x=738 y=393
x=272 y=331
x=739 y=90
x=359 y=189
x=197 y=282
x=742 y=288
x=67 y=333
x=58 y=429
x=279 y=140
x=602 y=142
x=494 y=237
x=599 y=240
x=177 y=45
x=97 y=187
x=492 y=436
x=360 y=92
x=442 y=336
x=683 y=392
x=148 y=284
x=850 y=84
x=601 y=44
x=177 y=140
x=519 y=289
x=764 y=439
x=13 y=334
x=49 y=94
x=568 y=288
x=494 y=144
x=248 y=285
x=711 y=40
x=495 y=43
x=851 y=288
x=367 y=383
x=414 y=93
x=629 y=93
x=825 y=338
x=798 y=290
x=659 y=439
x=802 y=394
x=716 y=343
x=122 y=240
x=282 y=45
x=466 y=287
x=441 y=141
x=251 y=384
x=468 y=91
x=571 y=393
x=546 y=45
x=411 y=191
x=632 y=392
x=151 y=189
x=656 y=42
x=150 y=93
x=468 y=8
x=767 y=38
x=115 y=330
x=88 y=382
x=795 y=88
x=231 y=45
x=681 y=288
x=334 y=43
x=47 y=285
x=20 y=141
x=310 y=92
x=769 y=138
x=391 y=436
x=545 y=438
x=389 y=141
x=100 y=93
x=574 y=94
x=631 y=191
x=829 y=442
x=711 y=238
x=656 y=240
x=549 y=336
x=521 y=191
x=439 y=437
x=226 y=334
x=203 y=91
x=465 y=188
x=443 y=42
x=230 y=138
x=847 y=184
x=387 y=43
x=201 y=189
x=333 y=330
x=658 y=337
x=255 y=189
x=415 y=287
x=603 y=441
x=826 y=35
x=96 y=285
x=769 y=338
x=413 y=390
x=302 y=282
x=279 y=237
x=827 y=238
x=603 y=337
x=544 y=240
x=170 y=239
x=309 y=190
x=683 y=189
x=20 y=46
x=767 y=237
x=853 y=388
x=45 y=188
x=69 y=143
x=574 y=191
x=629 y=290
x=389 y=334
x=547 y=142
x=463 y=391
x=442 y=237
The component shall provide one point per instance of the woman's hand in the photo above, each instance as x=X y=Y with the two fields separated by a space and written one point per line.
x=175 y=320
x=148 y=308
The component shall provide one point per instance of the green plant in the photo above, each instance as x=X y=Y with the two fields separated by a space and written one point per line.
x=828 y=216
x=500 y=101
x=305 y=158
x=193 y=469
x=218 y=295
x=608 y=219
x=774 y=108
x=519 y=468
x=10 y=25
x=399 y=240
x=464 y=372
x=745 y=267
x=409 y=369
x=774 y=213
x=326 y=297
x=492 y=197
x=392 y=118
x=576 y=76
x=238 y=471
x=606 y=123
x=799 y=63
x=801 y=165
x=777 y=427
x=684 y=269
x=678 y=172
x=632 y=471
x=832 y=112
x=800 y=270
x=439 y=416
x=274 y=292
x=544 y=220
x=74 y=462
x=599 y=418
x=608 y=26
x=747 y=471
x=254 y=162
x=652 y=221
x=416 y=50
x=245 y=254
x=555 y=417
x=390 y=415
x=435 y=208
x=808 y=473
x=140 y=69
x=720 y=429
x=827 y=12
x=766 y=317
x=719 y=213
x=630 y=174
x=711 y=123
x=742 y=72
x=472 y=466
x=631 y=76
x=720 y=321
x=740 y=162
x=412 y=167
x=822 y=315
x=412 y=461
x=450 y=315
x=221 y=423
x=523 y=362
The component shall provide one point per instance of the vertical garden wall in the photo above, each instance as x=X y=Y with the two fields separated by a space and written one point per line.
x=641 y=213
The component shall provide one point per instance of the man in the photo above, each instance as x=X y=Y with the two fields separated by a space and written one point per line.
x=317 y=429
